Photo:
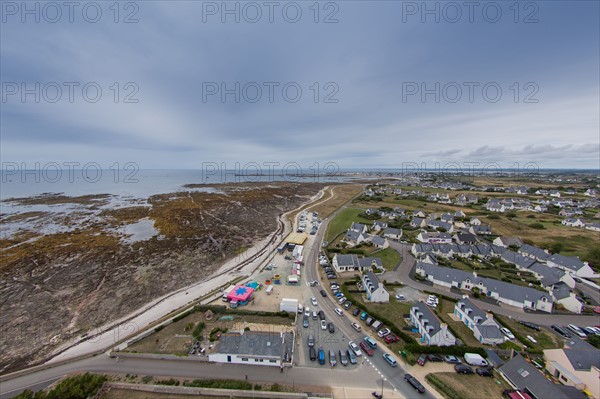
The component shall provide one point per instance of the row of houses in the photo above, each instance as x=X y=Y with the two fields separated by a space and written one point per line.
x=577 y=222
x=511 y=294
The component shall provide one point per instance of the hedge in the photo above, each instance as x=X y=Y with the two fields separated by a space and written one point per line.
x=442 y=387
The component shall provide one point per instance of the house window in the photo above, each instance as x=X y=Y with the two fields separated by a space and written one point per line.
x=261 y=360
x=272 y=361
x=244 y=359
x=256 y=360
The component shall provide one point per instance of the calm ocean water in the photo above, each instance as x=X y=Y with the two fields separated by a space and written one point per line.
x=130 y=183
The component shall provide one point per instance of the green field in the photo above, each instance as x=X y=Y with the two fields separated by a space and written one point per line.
x=389 y=257
x=342 y=221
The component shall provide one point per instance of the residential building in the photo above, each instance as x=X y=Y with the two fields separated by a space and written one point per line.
x=374 y=288
x=392 y=234
x=521 y=375
x=351 y=262
x=465 y=238
x=352 y=238
x=435 y=237
x=566 y=298
x=573 y=222
x=507 y=241
x=510 y=294
x=378 y=226
x=484 y=327
x=379 y=242
x=572 y=265
x=431 y=329
x=576 y=365
x=593 y=226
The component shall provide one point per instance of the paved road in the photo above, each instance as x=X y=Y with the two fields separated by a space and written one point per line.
x=402 y=273
x=393 y=376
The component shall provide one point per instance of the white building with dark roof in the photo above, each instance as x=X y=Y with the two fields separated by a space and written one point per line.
x=374 y=288
x=254 y=347
x=429 y=326
x=484 y=327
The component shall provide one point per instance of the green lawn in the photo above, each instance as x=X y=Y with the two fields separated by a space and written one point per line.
x=544 y=338
x=342 y=221
x=389 y=257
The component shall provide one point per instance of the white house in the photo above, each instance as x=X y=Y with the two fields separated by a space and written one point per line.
x=593 y=226
x=431 y=329
x=484 y=327
x=572 y=265
x=254 y=347
x=375 y=290
x=475 y=222
x=563 y=296
x=571 y=222
x=379 y=242
x=378 y=226
x=351 y=262
x=392 y=234
x=353 y=238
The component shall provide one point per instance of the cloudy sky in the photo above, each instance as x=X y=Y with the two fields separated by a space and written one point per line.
x=358 y=83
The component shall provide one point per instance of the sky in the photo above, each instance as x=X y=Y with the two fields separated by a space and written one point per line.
x=358 y=84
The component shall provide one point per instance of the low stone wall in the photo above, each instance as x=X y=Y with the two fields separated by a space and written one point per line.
x=204 y=392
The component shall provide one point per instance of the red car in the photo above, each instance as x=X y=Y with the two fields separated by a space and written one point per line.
x=366 y=348
x=597 y=309
x=391 y=338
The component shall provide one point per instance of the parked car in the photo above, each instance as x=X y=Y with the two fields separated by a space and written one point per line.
x=321 y=315
x=356 y=326
x=323 y=325
x=369 y=321
x=400 y=297
x=370 y=341
x=391 y=338
x=313 y=300
x=577 y=330
x=484 y=372
x=462 y=369
x=321 y=356
x=355 y=349
x=312 y=353
x=422 y=360
x=342 y=300
x=343 y=358
x=305 y=322
x=435 y=358
x=507 y=332
x=366 y=348
x=355 y=312
x=352 y=356
x=452 y=359
x=390 y=359
x=339 y=311
x=314 y=315
x=414 y=382
x=533 y=326
x=331 y=327
x=311 y=341
x=383 y=332
x=363 y=315
x=332 y=359
x=561 y=331
x=347 y=305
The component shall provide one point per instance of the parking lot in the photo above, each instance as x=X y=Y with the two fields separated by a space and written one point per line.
x=322 y=339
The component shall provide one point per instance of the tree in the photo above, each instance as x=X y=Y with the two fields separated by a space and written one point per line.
x=594 y=340
x=593 y=257
x=556 y=247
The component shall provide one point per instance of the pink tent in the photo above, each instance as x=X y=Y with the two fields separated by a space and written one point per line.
x=241 y=294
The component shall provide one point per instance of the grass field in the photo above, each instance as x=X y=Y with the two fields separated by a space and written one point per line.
x=341 y=194
x=342 y=221
x=389 y=257
x=474 y=386
x=545 y=339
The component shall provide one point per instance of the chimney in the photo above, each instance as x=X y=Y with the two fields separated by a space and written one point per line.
x=474 y=273
x=444 y=329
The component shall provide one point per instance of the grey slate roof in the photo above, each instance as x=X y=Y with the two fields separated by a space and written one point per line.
x=346 y=260
x=352 y=235
x=550 y=275
x=534 y=252
x=433 y=320
x=527 y=378
x=393 y=231
x=358 y=227
x=374 y=280
x=466 y=237
x=582 y=355
x=561 y=291
x=570 y=262
x=517 y=259
x=377 y=240
x=253 y=343
x=368 y=262
x=505 y=290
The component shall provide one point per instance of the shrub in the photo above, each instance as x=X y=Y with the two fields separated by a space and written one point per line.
x=494 y=216
x=81 y=386
x=445 y=350
x=537 y=226
x=442 y=387
x=170 y=381
x=147 y=379
x=197 y=333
